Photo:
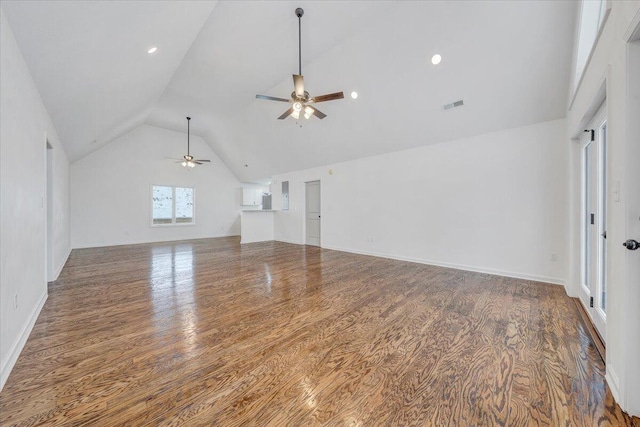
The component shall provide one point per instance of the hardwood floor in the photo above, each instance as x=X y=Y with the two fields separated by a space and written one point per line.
x=209 y=332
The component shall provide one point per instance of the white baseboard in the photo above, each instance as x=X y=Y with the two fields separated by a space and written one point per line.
x=242 y=242
x=143 y=242
x=61 y=266
x=282 y=239
x=614 y=384
x=515 y=275
x=16 y=348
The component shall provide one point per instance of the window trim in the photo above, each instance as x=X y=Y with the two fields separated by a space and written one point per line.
x=173 y=207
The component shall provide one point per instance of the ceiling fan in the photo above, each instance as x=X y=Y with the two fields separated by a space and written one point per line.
x=300 y=98
x=188 y=160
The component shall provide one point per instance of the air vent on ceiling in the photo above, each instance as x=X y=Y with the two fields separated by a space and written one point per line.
x=453 y=105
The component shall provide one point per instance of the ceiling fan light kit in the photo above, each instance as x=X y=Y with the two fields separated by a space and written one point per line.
x=300 y=98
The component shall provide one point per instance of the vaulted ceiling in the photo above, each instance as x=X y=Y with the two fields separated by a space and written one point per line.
x=508 y=61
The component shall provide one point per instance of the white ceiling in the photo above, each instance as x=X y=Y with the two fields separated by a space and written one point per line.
x=509 y=61
x=89 y=60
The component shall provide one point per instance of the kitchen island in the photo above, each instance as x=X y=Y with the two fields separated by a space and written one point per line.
x=256 y=225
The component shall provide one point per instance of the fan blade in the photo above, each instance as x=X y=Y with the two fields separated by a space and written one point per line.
x=272 y=98
x=298 y=83
x=286 y=114
x=202 y=160
x=173 y=158
x=197 y=162
x=329 y=97
x=319 y=114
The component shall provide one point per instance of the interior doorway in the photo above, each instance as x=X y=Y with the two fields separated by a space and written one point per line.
x=593 y=209
x=312 y=209
x=50 y=268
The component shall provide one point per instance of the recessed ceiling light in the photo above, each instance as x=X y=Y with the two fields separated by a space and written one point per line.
x=435 y=59
x=152 y=50
x=354 y=94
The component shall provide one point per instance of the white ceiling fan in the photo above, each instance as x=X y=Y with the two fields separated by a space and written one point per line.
x=300 y=98
x=188 y=160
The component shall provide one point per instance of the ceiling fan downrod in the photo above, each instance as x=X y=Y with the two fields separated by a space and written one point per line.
x=299 y=13
x=188 y=133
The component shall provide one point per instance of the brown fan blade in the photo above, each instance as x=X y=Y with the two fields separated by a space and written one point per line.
x=272 y=98
x=202 y=160
x=173 y=158
x=329 y=97
x=319 y=114
x=298 y=83
x=286 y=114
x=197 y=162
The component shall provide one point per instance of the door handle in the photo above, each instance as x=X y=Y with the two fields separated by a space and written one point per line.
x=631 y=244
x=604 y=234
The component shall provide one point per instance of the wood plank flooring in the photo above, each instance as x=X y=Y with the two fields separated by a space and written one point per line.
x=209 y=332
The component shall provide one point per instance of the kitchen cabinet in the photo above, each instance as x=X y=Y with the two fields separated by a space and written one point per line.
x=251 y=197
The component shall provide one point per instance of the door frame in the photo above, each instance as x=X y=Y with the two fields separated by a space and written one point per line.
x=48 y=208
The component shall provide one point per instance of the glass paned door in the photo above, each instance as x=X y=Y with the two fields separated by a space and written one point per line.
x=594 y=220
x=602 y=223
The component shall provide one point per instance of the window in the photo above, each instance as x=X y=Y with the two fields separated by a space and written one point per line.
x=172 y=205
x=592 y=15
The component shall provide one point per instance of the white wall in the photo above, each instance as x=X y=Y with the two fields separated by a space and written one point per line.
x=24 y=124
x=111 y=190
x=608 y=67
x=495 y=203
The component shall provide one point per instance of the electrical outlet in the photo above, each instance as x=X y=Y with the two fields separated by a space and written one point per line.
x=554 y=257
x=616 y=191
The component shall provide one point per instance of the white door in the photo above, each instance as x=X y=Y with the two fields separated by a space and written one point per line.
x=631 y=382
x=312 y=202
x=594 y=219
